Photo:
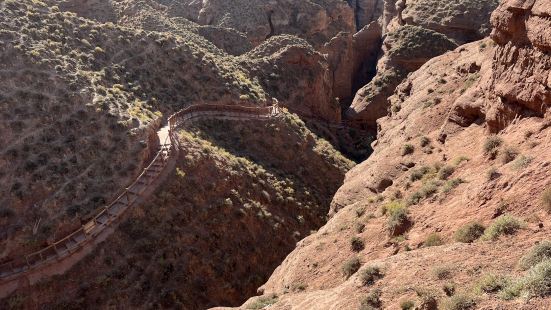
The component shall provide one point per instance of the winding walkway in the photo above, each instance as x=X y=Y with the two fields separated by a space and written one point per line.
x=60 y=256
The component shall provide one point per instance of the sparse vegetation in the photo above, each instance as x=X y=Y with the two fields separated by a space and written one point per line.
x=417 y=174
x=492 y=174
x=503 y=225
x=407 y=149
x=469 y=233
x=263 y=302
x=537 y=283
x=372 y=300
x=491 y=146
x=491 y=283
x=442 y=272
x=434 y=239
x=445 y=172
x=356 y=244
x=370 y=274
x=459 y=302
x=546 y=199
x=522 y=162
x=451 y=184
x=407 y=304
x=509 y=154
x=536 y=255
x=351 y=266
x=398 y=218
x=449 y=289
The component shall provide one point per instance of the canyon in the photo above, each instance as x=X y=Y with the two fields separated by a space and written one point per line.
x=408 y=166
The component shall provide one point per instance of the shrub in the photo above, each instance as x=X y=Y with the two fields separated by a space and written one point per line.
x=407 y=149
x=418 y=174
x=503 y=225
x=356 y=244
x=537 y=283
x=398 y=218
x=509 y=154
x=445 y=172
x=458 y=160
x=546 y=199
x=434 y=239
x=442 y=272
x=262 y=302
x=360 y=228
x=351 y=266
x=492 y=174
x=372 y=300
x=407 y=304
x=491 y=283
x=536 y=255
x=424 y=141
x=449 y=289
x=459 y=302
x=451 y=184
x=370 y=274
x=491 y=146
x=522 y=162
x=469 y=233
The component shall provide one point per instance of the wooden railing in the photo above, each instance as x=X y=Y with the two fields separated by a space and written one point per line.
x=113 y=212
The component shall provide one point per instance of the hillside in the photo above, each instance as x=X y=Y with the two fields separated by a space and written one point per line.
x=320 y=154
x=449 y=210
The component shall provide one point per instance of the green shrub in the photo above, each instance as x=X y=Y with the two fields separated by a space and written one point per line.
x=546 y=199
x=351 y=266
x=424 y=141
x=398 y=218
x=445 y=172
x=536 y=255
x=407 y=304
x=442 y=272
x=449 y=289
x=522 y=162
x=459 y=302
x=509 y=154
x=492 y=174
x=370 y=274
x=469 y=233
x=491 y=146
x=491 y=283
x=360 y=228
x=263 y=302
x=458 y=160
x=451 y=184
x=503 y=225
x=434 y=239
x=408 y=149
x=372 y=300
x=356 y=244
x=417 y=174
x=537 y=283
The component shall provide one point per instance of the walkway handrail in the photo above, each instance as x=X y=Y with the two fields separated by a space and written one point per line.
x=109 y=214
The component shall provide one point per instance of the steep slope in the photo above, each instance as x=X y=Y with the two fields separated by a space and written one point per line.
x=422 y=29
x=236 y=204
x=81 y=102
x=454 y=195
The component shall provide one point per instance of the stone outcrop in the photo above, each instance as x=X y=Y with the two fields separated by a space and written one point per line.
x=280 y=62
x=404 y=50
x=455 y=21
x=444 y=113
x=316 y=21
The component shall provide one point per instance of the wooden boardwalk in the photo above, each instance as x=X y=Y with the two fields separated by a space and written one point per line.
x=60 y=256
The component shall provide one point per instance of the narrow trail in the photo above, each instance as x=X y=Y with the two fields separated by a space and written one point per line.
x=60 y=256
